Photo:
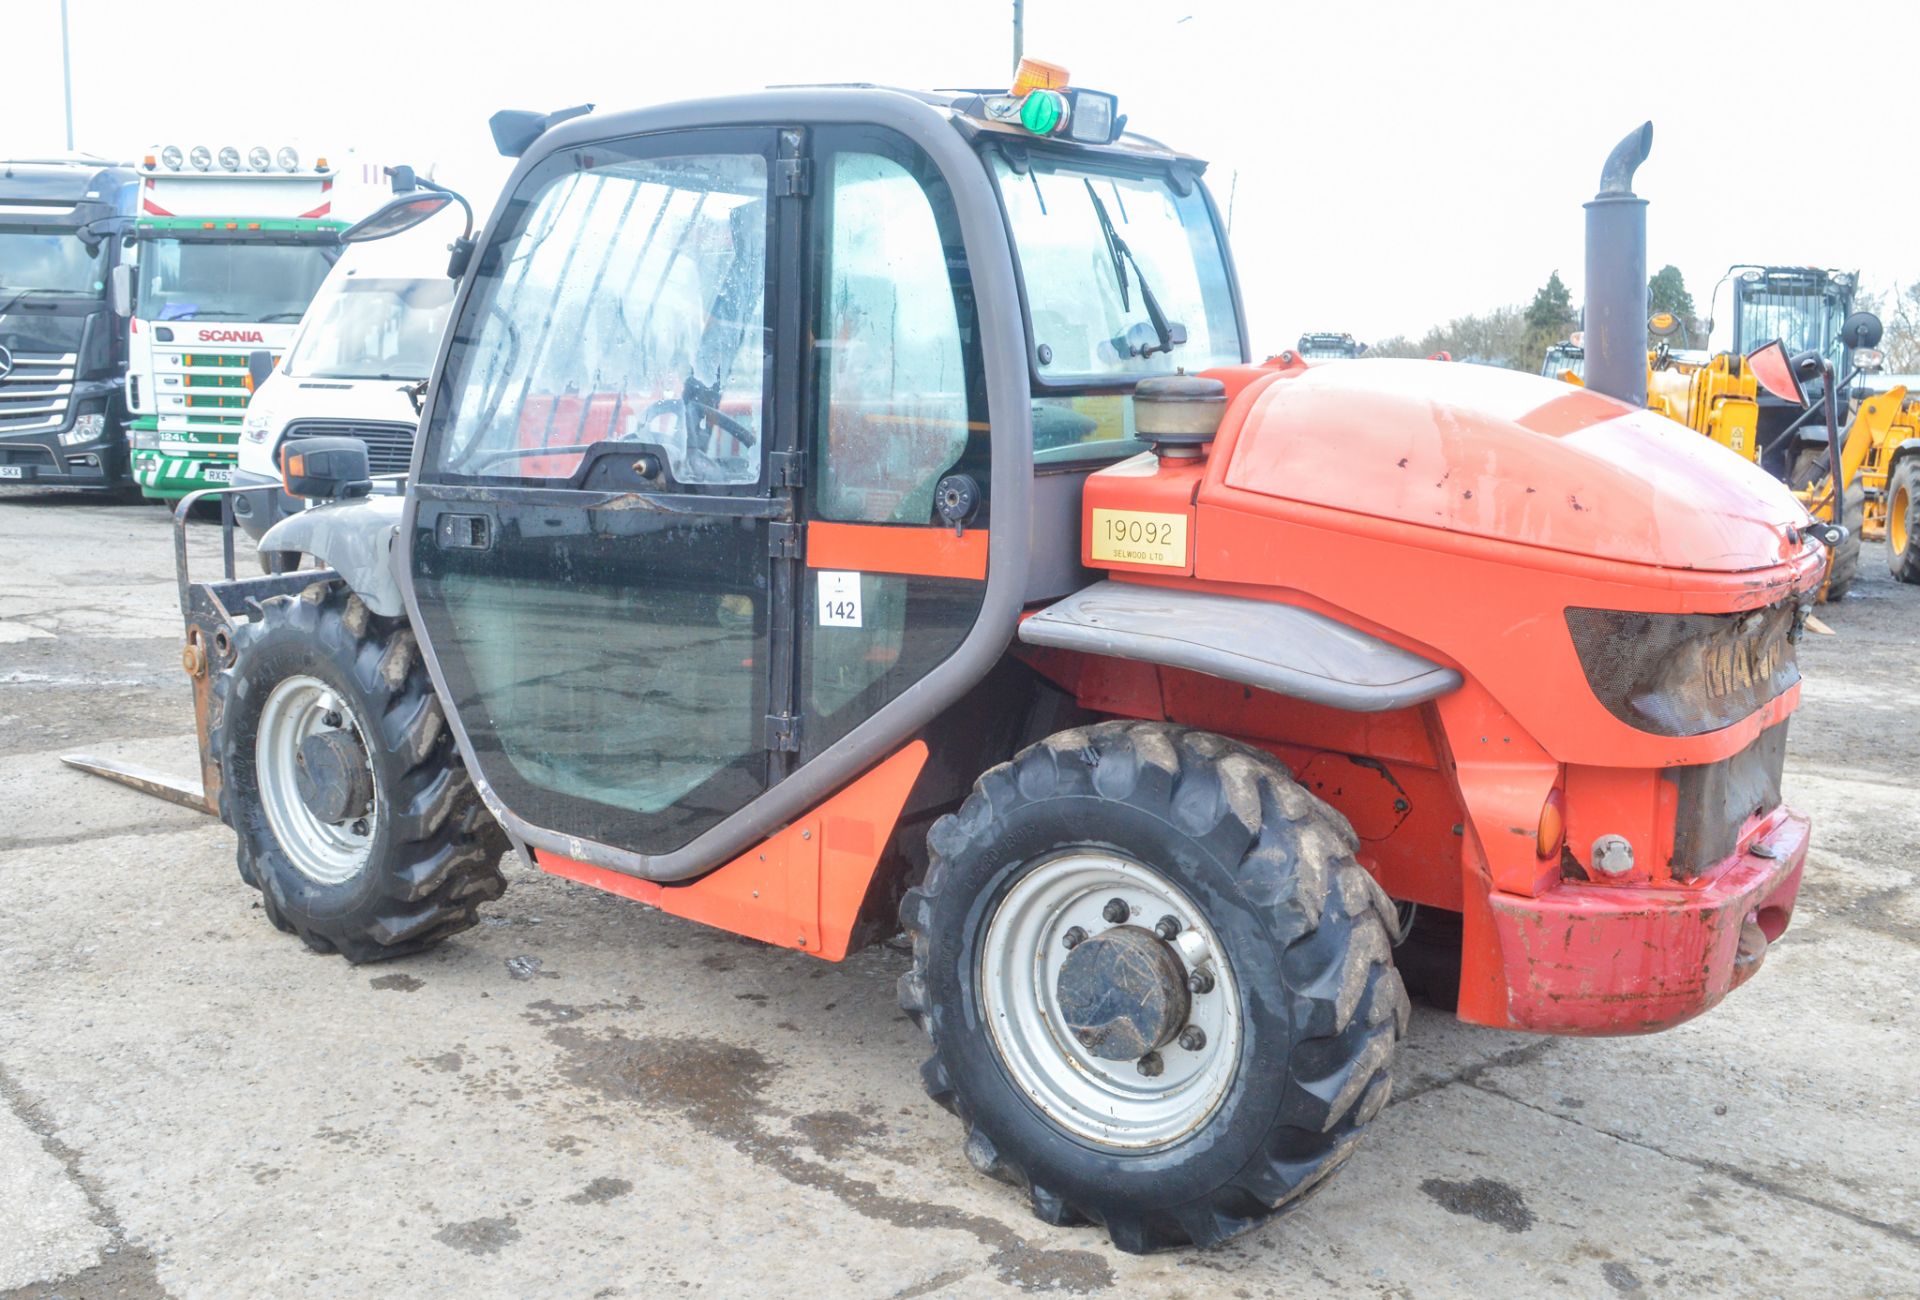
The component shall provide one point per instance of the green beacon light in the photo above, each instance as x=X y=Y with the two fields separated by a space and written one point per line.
x=1042 y=110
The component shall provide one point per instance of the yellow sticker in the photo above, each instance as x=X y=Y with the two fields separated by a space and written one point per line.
x=1139 y=537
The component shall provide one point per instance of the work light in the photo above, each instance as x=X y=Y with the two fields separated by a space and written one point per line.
x=258 y=158
x=230 y=158
x=171 y=157
x=201 y=157
x=288 y=159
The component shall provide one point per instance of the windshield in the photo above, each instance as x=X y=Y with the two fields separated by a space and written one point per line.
x=373 y=329
x=1804 y=317
x=50 y=260
x=1092 y=316
x=252 y=282
x=1562 y=359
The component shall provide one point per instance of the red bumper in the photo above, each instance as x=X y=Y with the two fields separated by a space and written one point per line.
x=1600 y=959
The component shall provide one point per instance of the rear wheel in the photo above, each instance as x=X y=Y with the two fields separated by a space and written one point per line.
x=1903 y=520
x=1158 y=986
x=355 y=817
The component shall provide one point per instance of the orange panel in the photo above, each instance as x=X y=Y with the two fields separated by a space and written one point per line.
x=800 y=889
x=894 y=548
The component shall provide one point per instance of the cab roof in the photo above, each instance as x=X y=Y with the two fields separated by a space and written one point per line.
x=964 y=108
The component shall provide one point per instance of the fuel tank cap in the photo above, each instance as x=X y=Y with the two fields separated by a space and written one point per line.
x=1178 y=413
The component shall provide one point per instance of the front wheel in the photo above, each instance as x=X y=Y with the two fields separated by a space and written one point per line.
x=355 y=817
x=1159 y=987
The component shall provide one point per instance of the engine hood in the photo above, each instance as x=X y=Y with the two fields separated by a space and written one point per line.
x=1512 y=457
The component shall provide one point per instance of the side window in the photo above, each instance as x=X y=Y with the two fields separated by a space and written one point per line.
x=900 y=404
x=625 y=302
x=893 y=375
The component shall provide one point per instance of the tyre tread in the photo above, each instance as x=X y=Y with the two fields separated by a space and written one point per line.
x=445 y=850
x=1332 y=919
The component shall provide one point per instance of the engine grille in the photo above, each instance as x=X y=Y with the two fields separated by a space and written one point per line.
x=1686 y=674
x=389 y=443
x=1716 y=799
x=35 y=394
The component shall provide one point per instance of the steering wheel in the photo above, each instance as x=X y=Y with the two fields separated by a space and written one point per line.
x=698 y=396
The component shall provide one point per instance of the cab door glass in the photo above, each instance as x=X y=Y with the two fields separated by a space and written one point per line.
x=899 y=405
x=630 y=310
x=894 y=390
x=604 y=628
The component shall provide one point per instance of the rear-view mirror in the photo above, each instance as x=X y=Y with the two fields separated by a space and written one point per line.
x=1775 y=372
x=259 y=366
x=120 y=289
x=1861 y=330
x=395 y=215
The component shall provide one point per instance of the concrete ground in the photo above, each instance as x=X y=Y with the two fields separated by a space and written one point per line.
x=584 y=1097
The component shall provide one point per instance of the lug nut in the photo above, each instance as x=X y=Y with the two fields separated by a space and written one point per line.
x=1086 y=1037
x=1073 y=938
x=1167 y=927
x=1116 y=911
x=331 y=719
x=360 y=827
x=1151 y=1065
x=1200 y=981
x=1193 y=1038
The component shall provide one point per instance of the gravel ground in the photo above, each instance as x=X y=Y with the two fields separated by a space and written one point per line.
x=193 y=1105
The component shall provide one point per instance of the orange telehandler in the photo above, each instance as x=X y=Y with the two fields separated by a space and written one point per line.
x=846 y=508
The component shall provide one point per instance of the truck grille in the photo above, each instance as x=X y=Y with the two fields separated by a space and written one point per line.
x=35 y=394
x=389 y=443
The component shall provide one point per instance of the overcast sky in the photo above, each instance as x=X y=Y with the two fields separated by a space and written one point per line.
x=1396 y=164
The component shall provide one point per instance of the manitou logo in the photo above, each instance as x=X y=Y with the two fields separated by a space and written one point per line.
x=231 y=336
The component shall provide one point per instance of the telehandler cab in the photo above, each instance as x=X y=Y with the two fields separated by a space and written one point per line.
x=847 y=508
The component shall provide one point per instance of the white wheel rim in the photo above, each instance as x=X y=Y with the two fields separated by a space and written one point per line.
x=1109 y=1102
x=328 y=853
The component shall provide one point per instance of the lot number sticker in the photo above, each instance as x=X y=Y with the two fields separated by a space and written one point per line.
x=839 y=598
x=1139 y=537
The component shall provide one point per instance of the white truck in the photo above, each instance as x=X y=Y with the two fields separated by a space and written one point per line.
x=231 y=248
x=356 y=367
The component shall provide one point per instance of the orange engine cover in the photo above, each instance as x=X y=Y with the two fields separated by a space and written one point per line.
x=1512 y=457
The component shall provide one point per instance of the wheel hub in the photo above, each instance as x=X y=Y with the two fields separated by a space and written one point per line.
x=315 y=783
x=1123 y=993
x=332 y=776
x=1124 y=1035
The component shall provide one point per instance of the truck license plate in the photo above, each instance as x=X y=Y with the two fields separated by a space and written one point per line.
x=217 y=474
x=10 y=471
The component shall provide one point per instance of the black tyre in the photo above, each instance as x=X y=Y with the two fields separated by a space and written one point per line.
x=1040 y=980
x=1903 y=520
x=1846 y=556
x=1810 y=468
x=355 y=817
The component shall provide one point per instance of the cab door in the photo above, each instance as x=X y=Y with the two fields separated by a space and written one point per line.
x=597 y=538
x=705 y=486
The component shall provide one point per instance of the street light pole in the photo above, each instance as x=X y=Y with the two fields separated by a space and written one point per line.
x=66 y=72
x=1019 y=31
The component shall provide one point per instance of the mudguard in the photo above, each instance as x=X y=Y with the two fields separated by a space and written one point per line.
x=1275 y=647
x=355 y=539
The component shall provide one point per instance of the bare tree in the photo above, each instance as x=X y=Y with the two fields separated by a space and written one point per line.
x=1899 y=312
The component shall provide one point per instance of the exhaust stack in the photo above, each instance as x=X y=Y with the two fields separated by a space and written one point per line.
x=1616 y=313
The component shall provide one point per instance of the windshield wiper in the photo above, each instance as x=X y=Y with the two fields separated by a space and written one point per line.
x=282 y=315
x=1169 y=335
x=1112 y=237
